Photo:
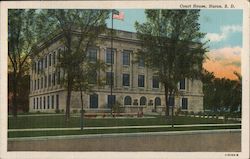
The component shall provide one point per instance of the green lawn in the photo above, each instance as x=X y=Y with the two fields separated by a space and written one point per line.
x=110 y=131
x=25 y=122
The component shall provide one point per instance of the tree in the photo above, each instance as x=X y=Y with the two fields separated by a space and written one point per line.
x=21 y=37
x=221 y=93
x=208 y=89
x=171 y=45
x=236 y=93
x=80 y=30
x=87 y=78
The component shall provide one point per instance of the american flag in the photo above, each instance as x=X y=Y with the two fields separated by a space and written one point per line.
x=118 y=15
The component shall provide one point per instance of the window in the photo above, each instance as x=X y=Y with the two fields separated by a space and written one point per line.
x=171 y=101
x=42 y=65
x=110 y=58
x=59 y=54
x=125 y=79
x=38 y=67
x=57 y=102
x=48 y=102
x=49 y=80
x=109 y=78
x=37 y=103
x=41 y=82
x=35 y=85
x=111 y=100
x=155 y=82
x=34 y=103
x=182 y=84
x=143 y=100
x=41 y=103
x=157 y=101
x=50 y=59
x=93 y=101
x=45 y=81
x=184 y=103
x=52 y=102
x=54 y=58
x=127 y=100
x=141 y=62
x=35 y=67
x=58 y=77
x=45 y=62
x=93 y=78
x=126 y=58
x=44 y=102
x=92 y=55
x=38 y=83
x=140 y=80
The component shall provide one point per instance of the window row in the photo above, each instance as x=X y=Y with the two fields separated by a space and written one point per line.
x=46 y=81
x=141 y=80
x=52 y=58
x=109 y=58
x=46 y=61
x=111 y=99
x=46 y=102
x=126 y=80
x=143 y=101
x=183 y=103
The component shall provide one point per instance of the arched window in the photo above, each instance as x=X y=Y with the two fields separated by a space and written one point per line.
x=143 y=100
x=127 y=100
x=157 y=101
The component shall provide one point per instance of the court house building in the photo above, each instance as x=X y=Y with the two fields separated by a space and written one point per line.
x=134 y=85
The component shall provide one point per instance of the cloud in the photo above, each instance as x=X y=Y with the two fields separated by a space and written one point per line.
x=225 y=31
x=224 y=61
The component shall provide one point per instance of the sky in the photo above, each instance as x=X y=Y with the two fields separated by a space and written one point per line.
x=224 y=32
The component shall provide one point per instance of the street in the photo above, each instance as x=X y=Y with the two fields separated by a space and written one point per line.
x=217 y=141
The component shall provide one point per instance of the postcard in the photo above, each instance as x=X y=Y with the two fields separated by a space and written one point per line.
x=124 y=79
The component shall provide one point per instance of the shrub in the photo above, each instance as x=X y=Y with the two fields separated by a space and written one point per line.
x=178 y=111
x=186 y=113
x=199 y=113
x=84 y=111
x=74 y=111
x=150 y=103
x=117 y=107
x=57 y=111
x=135 y=102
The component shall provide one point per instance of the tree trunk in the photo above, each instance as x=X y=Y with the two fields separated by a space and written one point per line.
x=172 y=109
x=69 y=90
x=81 y=107
x=14 y=99
x=166 y=101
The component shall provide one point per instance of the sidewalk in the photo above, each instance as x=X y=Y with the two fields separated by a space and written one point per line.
x=123 y=127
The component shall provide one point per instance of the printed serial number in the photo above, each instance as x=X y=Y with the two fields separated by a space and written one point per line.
x=231 y=154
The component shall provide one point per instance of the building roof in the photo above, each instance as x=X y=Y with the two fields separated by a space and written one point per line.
x=117 y=35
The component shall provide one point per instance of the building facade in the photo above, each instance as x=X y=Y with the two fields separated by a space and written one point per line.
x=135 y=86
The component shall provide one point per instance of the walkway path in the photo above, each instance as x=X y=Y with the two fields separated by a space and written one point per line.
x=124 y=127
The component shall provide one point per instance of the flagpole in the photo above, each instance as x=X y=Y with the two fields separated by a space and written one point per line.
x=111 y=84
